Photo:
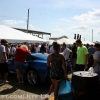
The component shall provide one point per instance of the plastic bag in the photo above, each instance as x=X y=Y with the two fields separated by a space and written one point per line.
x=64 y=87
x=65 y=91
x=91 y=70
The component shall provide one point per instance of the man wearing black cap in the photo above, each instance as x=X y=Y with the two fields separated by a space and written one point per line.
x=96 y=64
x=3 y=60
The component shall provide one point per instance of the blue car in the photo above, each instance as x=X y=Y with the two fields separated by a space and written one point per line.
x=35 y=68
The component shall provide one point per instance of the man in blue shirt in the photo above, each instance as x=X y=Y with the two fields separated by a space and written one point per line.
x=91 y=50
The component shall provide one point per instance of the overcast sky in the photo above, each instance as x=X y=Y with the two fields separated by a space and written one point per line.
x=59 y=17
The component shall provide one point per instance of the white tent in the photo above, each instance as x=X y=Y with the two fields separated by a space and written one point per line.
x=67 y=41
x=88 y=42
x=71 y=41
x=13 y=36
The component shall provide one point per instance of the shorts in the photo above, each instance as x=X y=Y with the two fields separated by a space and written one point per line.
x=56 y=78
x=19 y=65
x=3 y=68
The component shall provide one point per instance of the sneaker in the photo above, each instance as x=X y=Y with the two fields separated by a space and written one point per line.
x=6 y=81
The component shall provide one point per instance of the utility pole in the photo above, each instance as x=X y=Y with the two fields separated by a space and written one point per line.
x=27 y=20
x=92 y=35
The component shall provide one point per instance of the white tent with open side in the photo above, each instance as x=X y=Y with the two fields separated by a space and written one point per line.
x=13 y=36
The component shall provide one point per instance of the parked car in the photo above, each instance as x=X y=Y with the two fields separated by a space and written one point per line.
x=35 y=68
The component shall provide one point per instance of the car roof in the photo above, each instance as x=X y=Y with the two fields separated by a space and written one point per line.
x=40 y=55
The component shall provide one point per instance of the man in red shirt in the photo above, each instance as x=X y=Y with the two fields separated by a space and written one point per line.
x=19 y=60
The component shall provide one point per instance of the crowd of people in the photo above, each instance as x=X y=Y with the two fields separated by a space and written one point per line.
x=82 y=57
x=33 y=48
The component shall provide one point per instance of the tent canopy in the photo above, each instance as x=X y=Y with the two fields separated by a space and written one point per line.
x=13 y=36
x=69 y=41
x=87 y=42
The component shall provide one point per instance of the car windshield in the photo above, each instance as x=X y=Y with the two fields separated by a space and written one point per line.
x=42 y=55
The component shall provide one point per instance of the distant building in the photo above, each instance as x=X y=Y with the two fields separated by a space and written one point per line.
x=57 y=38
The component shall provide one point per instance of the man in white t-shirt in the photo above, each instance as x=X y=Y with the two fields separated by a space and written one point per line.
x=38 y=48
x=51 y=48
x=96 y=64
x=13 y=50
x=66 y=52
x=3 y=60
